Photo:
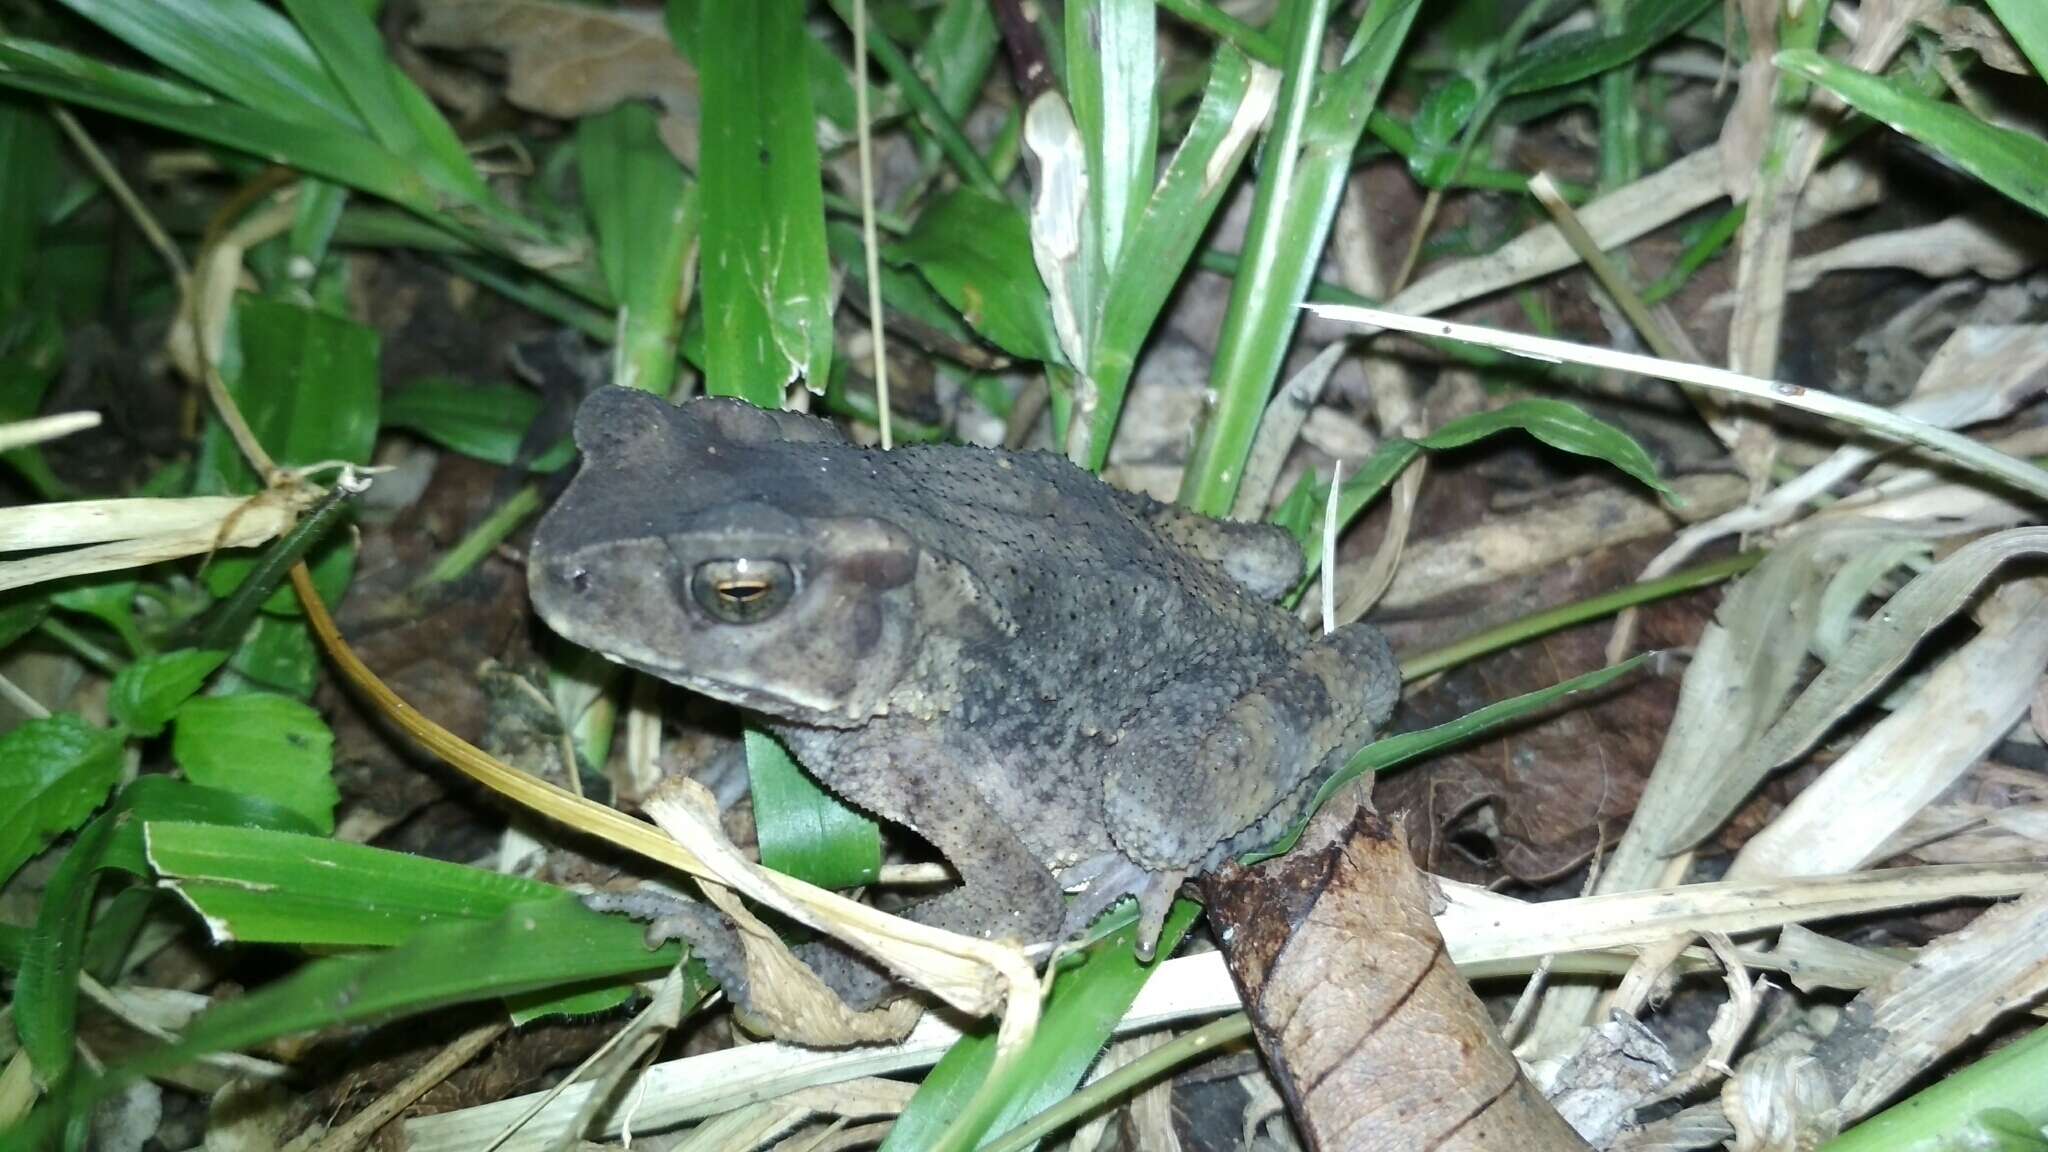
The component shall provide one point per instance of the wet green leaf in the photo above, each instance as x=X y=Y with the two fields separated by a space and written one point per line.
x=766 y=279
x=262 y=745
x=803 y=831
x=147 y=693
x=54 y=772
x=975 y=251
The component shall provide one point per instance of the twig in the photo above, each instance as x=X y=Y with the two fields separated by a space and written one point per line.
x=124 y=195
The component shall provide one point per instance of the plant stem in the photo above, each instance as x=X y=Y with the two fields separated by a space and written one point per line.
x=1566 y=615
x=1942 y=1115
x=487 y=535
x=1188 y=1045
x=922 y=100
x=81 y=647
x=1224 y=26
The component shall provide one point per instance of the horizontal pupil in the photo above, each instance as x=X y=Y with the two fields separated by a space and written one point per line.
x=743 y=590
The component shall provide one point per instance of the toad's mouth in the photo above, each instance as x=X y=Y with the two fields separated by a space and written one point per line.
x=782 y=702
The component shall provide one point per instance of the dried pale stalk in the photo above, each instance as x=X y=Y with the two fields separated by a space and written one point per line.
x=1972 y=699
x=1485 y=932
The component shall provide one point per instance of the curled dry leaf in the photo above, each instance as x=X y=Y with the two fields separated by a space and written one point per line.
x=1972 y=699
x=1879 y=648
x=1967 y=245
x=572 y=60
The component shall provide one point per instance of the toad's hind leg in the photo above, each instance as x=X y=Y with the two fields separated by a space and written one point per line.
x=1251 y=770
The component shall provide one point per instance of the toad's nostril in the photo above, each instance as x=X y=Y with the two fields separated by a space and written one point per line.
x=579 y=579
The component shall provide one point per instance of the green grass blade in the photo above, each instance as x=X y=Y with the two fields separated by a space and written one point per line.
x=975 y=251
x=2026 y=21
x=261 y=886
x=1945 y=1115
x=1111 y=69
x=803 y=831
x=2011 y=161
x=323 y=150
x=28 y=176
x=1156 y=250
x=396 y=113
x=931 y=112
x=547 y=944
x=1562 y=426
x=767 y=281
x=1577 y=56
x=245 y=50
x=643 y=210
x=1393 y=751
x=45 y=1000
x=1307 y=158
x=1085 y=1005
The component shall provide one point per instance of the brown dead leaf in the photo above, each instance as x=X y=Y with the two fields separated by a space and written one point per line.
x=1375 y=1039
x=569 y=61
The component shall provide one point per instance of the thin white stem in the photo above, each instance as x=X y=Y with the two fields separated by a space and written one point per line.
x=1878 y=421
x=870 y=245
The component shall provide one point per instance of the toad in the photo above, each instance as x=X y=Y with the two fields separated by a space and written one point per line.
x=1055 y=683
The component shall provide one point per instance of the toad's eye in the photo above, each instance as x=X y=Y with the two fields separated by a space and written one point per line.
x=742 y=591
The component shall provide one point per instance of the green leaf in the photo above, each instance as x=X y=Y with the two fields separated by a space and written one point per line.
x=487 y=421
x=242 y=49
x=644 y=212
x=2011 y=161
x=387 y=102
x=337 y=153
x=1392 y=751
x=1112 y=65
x=1083 y=1010
x=1158 y=247
x=258 y=886
x=107 y=599
x=1575 y=56
x=45 y=997
x=147 y=693
x=19 y=615
x=307 y=387
x=1556 y=423
x=975 y=250
x=767 y=282
x=1306 y=162
x=2027 y=22
x=54 y=772
x=28 y=174
x=802 y=831
x=904 y=293
x=262 y=745
x=554 y=943
x=275 y=655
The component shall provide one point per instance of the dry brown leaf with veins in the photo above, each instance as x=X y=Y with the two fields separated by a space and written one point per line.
x=570 y=61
